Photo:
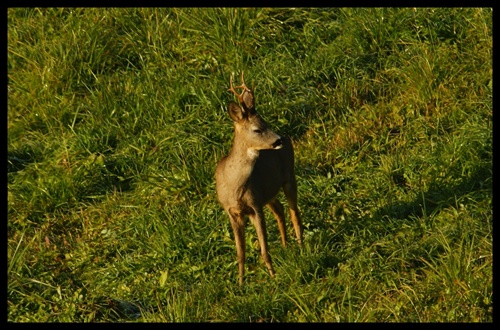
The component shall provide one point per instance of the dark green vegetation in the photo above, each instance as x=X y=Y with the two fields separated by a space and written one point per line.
x=117 y=117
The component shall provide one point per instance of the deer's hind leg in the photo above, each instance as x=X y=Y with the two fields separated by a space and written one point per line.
x=290 y=190
x=279 y=213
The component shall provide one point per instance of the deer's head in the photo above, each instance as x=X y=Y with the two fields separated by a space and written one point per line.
x=249 y=127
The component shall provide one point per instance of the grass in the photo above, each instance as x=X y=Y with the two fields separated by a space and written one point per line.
x=117 y=117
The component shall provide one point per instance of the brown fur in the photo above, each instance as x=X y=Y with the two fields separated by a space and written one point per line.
x=259 y=164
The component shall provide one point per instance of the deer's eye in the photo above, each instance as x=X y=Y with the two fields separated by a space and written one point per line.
x=257 y=131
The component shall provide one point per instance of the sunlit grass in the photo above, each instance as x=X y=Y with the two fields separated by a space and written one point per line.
x=116 y=120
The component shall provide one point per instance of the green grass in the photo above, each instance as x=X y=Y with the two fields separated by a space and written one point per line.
x=117 y=117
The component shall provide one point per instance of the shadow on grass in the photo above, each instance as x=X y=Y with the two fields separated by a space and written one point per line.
x=298 y=125
x=20 y=158
x=440 y=195
x=387 y=221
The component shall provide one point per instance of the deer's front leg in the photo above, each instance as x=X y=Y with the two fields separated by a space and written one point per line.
x=260 y=227
x=238 y=224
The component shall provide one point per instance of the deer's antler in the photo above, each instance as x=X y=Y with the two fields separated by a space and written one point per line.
x=246 y=97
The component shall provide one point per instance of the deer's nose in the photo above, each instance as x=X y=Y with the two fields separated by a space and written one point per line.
x=278 y=144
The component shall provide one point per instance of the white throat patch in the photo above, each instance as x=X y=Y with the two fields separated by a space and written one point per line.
x=252 y=153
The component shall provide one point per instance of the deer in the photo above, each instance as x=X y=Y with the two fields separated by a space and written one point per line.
x=259 y=164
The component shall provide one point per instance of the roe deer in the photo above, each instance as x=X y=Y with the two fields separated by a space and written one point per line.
x=259 y=164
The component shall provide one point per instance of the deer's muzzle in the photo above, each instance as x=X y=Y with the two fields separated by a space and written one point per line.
x=278 y=144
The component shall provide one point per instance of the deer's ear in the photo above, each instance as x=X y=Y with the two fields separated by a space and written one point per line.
x=236 y=112
x=248 y=101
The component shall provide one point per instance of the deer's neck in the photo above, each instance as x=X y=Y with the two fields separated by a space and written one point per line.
x=240 y=163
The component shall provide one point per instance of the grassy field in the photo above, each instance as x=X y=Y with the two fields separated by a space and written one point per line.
x=117 y=117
